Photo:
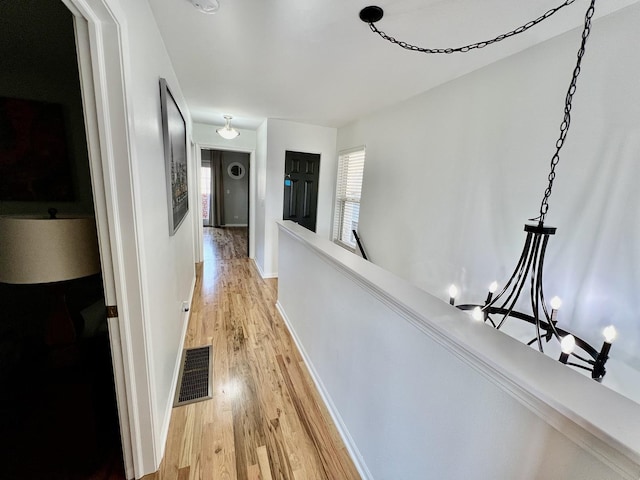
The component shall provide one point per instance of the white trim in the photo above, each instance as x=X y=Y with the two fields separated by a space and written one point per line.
x=234 y=225
x=197 y=217
x=347 y=151
x=107 y=46
x=102 y=225
x=252 y=204
x=341 y=244
x=176 y=370
x=506 y=363
x=262 y=274
x=352 y=448
x=135 y=179
x=121 y=394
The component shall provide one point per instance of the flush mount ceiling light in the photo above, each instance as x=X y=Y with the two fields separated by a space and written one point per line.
x=206 y=6
x=227 y=132
x=498 y=307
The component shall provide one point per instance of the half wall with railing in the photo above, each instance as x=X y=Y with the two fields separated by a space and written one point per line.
x=420 y=390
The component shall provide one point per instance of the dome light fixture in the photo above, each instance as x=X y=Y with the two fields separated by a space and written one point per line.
x=227 y=132
x=206 y=6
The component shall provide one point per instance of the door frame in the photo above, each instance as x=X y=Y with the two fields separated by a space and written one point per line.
x=211 y=182
x=252 y=196
x=101 y=49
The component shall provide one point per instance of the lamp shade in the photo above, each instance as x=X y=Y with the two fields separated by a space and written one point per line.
x=39 y=250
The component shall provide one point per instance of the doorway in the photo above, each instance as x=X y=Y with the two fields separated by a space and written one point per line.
x=225 y=189
x=58 y=413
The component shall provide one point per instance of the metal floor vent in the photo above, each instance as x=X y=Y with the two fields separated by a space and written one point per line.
x=194 y=380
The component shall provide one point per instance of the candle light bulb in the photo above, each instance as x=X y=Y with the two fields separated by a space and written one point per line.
x=556 y=303
x=493 y=287
x=609 y=334
x=477 y=314
x=568 y=344
x=453 y=291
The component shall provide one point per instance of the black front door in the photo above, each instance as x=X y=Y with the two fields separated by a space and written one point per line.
x=301 y=175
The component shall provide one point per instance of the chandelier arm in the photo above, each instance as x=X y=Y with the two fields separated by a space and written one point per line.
x=551 y=329
x=580 y=343
x=539 y=336
x=566 y=121
x=472 y=46
x=521 y=280
x=517 y=272
x=502 y=311
x=583 y=345
x=573 y=364
x=585 y=360
x=542 y=256
x=534 y=288
x=516 y=290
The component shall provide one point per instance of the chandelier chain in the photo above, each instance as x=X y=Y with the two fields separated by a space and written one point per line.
x=466 y=48
x=566 y=121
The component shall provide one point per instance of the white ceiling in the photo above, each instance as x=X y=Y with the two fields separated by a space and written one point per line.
x=314 y=61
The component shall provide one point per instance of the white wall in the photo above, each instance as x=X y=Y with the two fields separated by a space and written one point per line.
x=452 y=175
x=166 y=262
x=420 y=390
x=236 y=190
x=281 y=136
x=260 y=195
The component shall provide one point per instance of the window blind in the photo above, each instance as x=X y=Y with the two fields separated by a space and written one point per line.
x=348 y=190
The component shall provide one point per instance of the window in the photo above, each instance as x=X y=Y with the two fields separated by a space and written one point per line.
x=205 y=188
x=349 y=186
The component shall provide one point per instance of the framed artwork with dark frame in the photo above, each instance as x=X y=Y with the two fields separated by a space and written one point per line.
x=174 y=133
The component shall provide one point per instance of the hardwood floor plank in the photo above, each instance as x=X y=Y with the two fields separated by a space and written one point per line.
x=312 y=419
x=224 y=464
x=265 y=468
x=184 y=458
x=169 y=467
x=184 y=473
x=266 y=420
x=253 y=472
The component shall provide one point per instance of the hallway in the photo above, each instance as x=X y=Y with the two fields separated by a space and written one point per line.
x=266 y=419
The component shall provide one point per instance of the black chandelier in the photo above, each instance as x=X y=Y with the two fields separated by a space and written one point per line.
x=497 y=308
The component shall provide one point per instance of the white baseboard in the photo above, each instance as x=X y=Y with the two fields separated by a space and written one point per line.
x=176 y=370
x=352 y=448
x=235 y=225
x=262 y=274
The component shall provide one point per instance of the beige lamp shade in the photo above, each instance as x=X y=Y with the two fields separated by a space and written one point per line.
x=39 y=250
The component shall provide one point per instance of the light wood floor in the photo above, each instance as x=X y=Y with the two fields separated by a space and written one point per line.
x=266 y=419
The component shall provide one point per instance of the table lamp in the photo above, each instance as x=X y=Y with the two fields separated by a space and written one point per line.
x=49 y=251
